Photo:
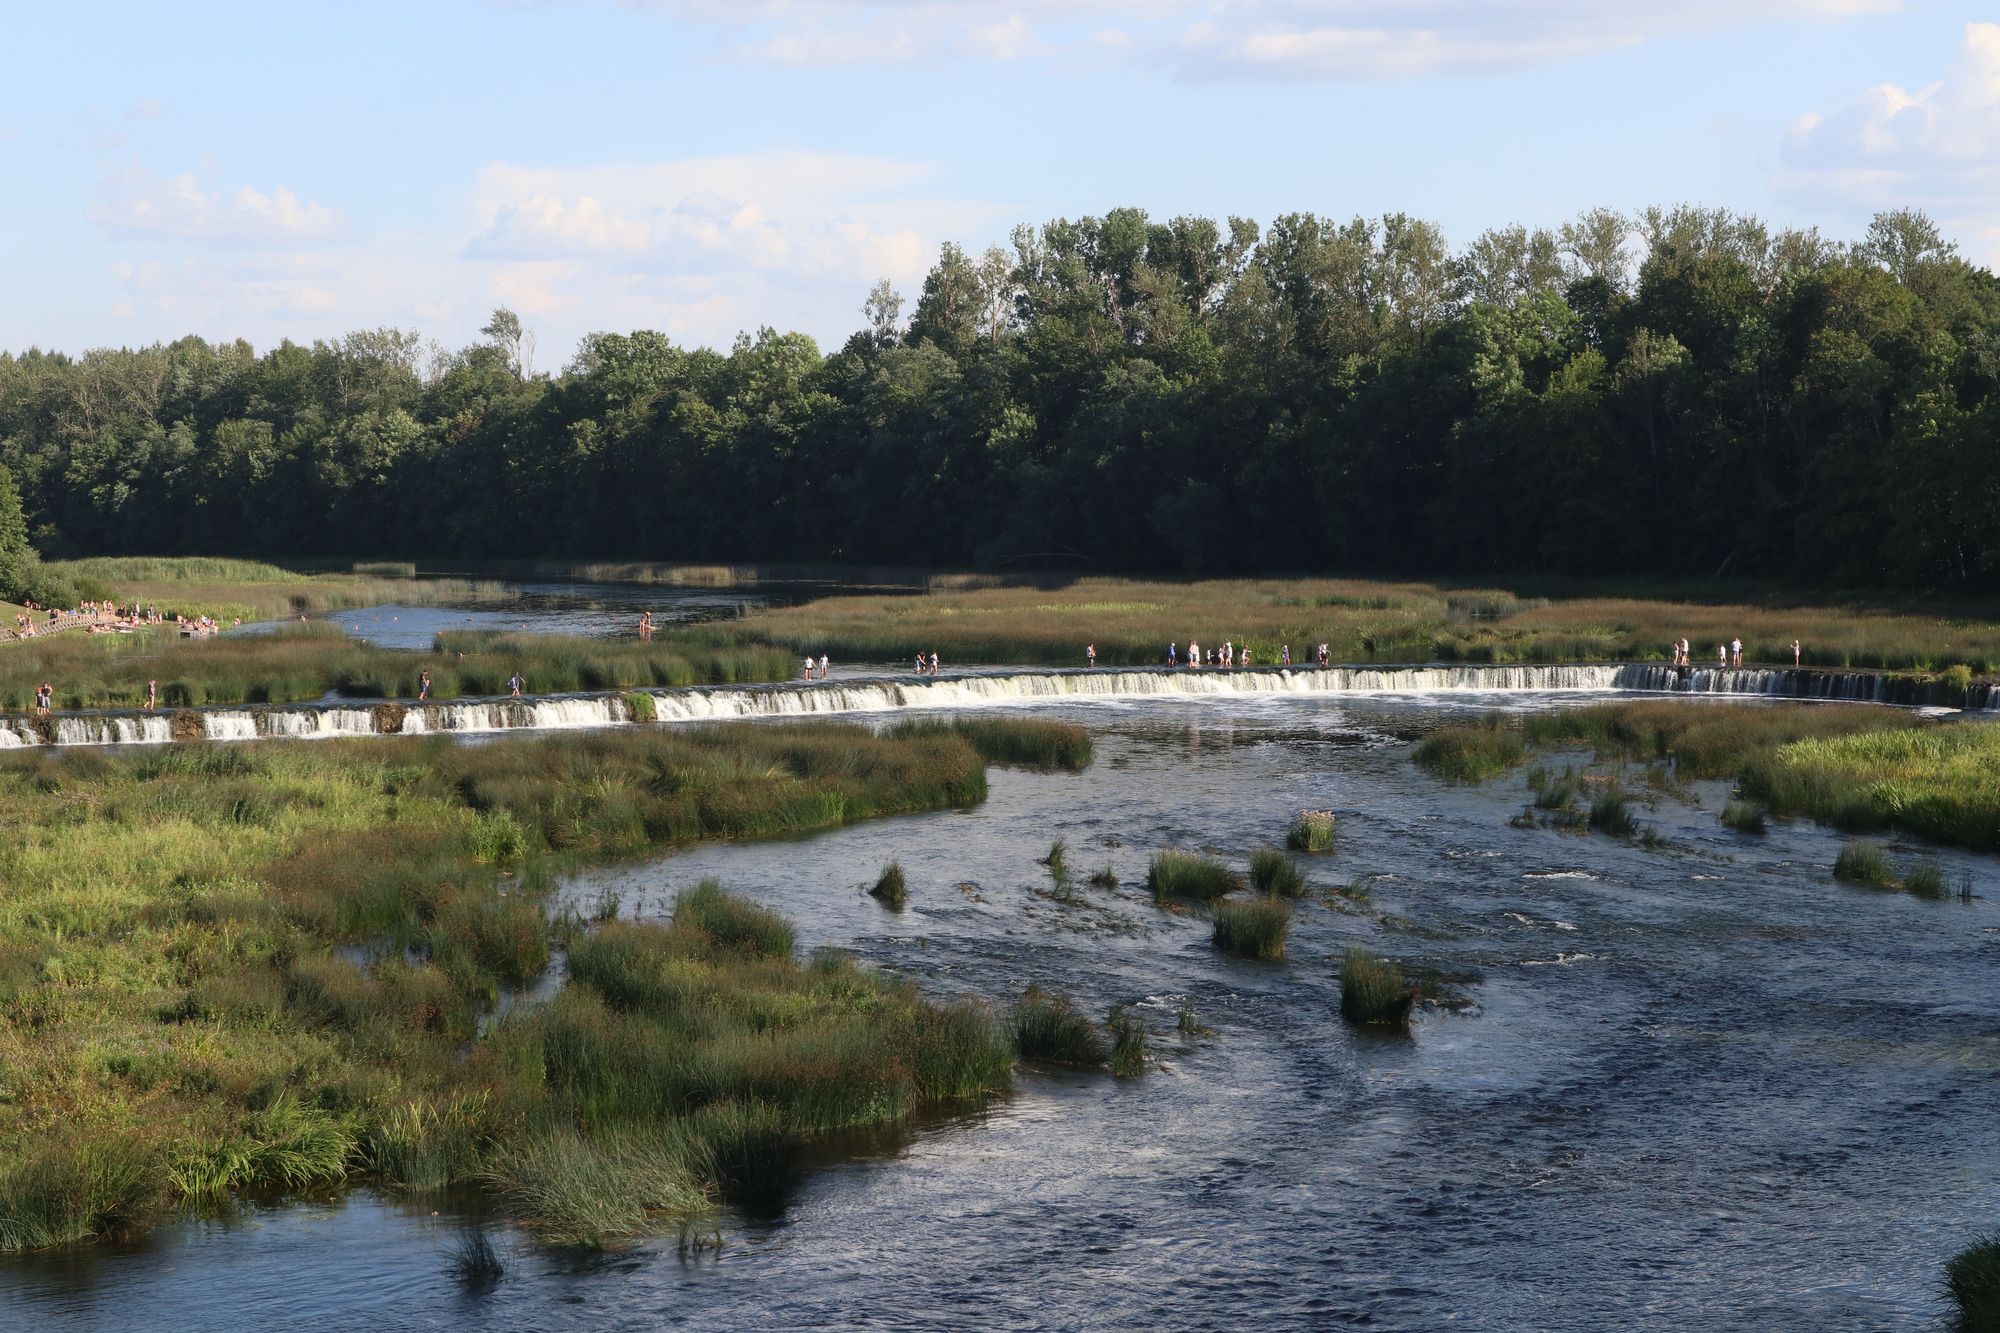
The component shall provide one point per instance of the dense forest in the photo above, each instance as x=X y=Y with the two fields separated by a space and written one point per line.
x=1679 y=393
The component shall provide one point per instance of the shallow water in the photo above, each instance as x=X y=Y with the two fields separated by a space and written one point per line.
x=1697 y=1086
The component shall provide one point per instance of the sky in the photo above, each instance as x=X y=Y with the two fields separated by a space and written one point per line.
x=705 y=167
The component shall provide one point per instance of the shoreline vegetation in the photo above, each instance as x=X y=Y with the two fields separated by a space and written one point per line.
x=1853 y=767
x=226 y=590
x=233 y=970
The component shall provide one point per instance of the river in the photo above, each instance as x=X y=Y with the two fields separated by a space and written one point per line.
x=1700 y=1085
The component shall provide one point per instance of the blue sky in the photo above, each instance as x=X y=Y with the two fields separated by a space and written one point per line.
x=704 y=166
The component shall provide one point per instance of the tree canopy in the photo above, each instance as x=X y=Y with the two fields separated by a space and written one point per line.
x=1683 y=392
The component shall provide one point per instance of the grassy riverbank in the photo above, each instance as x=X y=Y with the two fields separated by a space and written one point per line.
x=1131 y=622
x=296 y=663
x=195 y=586
x=264 y=968
x=1854 y=767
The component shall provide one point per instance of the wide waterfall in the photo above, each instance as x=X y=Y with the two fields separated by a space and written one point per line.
x=881 y=694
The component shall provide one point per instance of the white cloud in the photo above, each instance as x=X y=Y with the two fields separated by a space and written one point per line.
x=1204 y=39
x=1937 y=147
x=137 y=203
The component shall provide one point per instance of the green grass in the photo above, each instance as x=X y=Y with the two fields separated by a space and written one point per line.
x=1312 y=831
x=1863 y=863
x=1058 y=860
x=1253 y=929
x=1926 y=879
x=228 y=590
x=1702 y=738
x=1271 y=871
x=1373 y=990
x=1745 y=816
x=1016 y=742
x=1940 y=782
x=265 y=967
x=1610 y=812
x=1472 y=754
x=1128 y=1043
x=1049 y=1028
x=1176 y=874
x=1972 y=1281
x=1554 y=791
x=891 y=889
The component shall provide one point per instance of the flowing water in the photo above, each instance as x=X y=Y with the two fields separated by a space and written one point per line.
x=1698 y=1086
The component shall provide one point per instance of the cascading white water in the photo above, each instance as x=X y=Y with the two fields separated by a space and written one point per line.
x=317 y=723
x=229 y=726
x=13 y=740
x=1082 y=686
x=515 y=715
x=111 y=730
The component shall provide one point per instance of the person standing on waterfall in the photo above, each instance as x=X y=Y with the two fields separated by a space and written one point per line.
x=825 y=665
x=1795 y=654
x=152 y=695
x=1090 y=654
x=1194 y=653
x=515 y=684
x=1736 y=652
x=424 y=687
x=1173 y=656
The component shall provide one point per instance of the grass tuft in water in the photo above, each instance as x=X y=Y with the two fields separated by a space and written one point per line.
x=1474 y=753
x=1253 y=929
x=1015 y=742
x=1745 y=816
x=1373 y=990
x=1862 y=862
x=1972 y=1281
x=1926 y=879
x=474 y=1262
x=1175 y=874
x=1128 y=1043
x=1104 y=877
x=1271 y=871
x=1048 y=1027
x=591 y=1193
x=891 y=889
x=1312 y=831
x=1057 y=860
x=1610 y=813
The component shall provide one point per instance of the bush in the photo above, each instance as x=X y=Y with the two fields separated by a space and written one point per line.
x=891 y=890
x=1863 y=863
x=1744 y=816
x=1253 y=929
x=1972 y=1280
x=1190 y=875
x=1373 y=990
x=1048 y=1027
x=1271 y=871
x=1312 y=831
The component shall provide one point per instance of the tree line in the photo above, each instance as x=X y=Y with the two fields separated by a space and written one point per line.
x=1683 y=392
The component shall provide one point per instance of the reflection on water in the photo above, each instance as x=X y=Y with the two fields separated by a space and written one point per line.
x=1700 y=1086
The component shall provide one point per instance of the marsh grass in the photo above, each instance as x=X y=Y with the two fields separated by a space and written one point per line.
x=1940 y=781
x=474 y=1262
x=891 y=889
x=1610 y=812
x=1131 y=621
x=1049 y=1028
x=1255 y=928
x=1057 y=860
x=268 y=967
x=1972 y=1282
x=1017 y=742
x=1273 y=872
x=1554 y=791
x=1104 y=877
x=1373 y=990
x=1472 y=754
x=1745 y=816
x=1926 y=879
x=227 y=589
x=1863 y=863
x=1178 y=874
x=1312 y=831
x=1128 y=1043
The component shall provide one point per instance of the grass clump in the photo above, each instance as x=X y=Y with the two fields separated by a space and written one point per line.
x=1312 y=831
x=1176 y=874
x=1373 y=990
x=725 y=922
x=587 y=1192
x=1553 y=791
x=1253 y=929
x=1610 y=812
x=1863 y=863
x=1972 y=1281
x=1926 y=879
x=1272 y=872
x=1104 y=877
x=1016 y=742
x=891 y=889
x=1744 y=816
x=474 y=1261
x=1049 y=1028
x=1472 y=754
x=1058 y=860
x=1940 y=781
x=1128 y=1043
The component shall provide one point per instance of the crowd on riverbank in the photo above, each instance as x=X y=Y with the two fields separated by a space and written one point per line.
x=106 y=617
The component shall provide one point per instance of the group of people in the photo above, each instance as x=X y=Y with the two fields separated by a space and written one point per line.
x=812 y=670
x=927 y=667
x=96 y=617
x=1727 y=655
x=646 y=625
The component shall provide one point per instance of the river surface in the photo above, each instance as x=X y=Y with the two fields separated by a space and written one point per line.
x=1697 y=1086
